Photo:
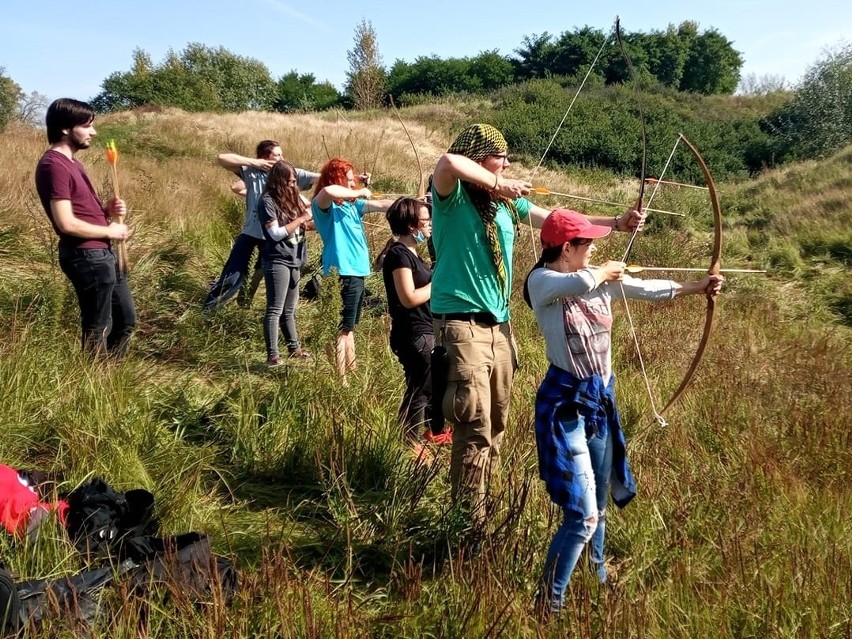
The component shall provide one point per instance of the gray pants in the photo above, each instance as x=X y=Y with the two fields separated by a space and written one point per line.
x=282 y=297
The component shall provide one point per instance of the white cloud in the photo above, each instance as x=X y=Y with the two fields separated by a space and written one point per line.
x=287 y=10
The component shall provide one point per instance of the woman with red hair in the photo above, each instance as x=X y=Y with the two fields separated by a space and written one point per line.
x=337 y=208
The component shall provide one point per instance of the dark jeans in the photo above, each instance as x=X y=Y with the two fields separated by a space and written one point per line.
x=416 y=358
x=352 y=295
x=282 y=296
x=234 y=273
x=107 y=315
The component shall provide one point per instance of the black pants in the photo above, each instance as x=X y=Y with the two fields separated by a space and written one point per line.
x=415 y=357
x=107 y=314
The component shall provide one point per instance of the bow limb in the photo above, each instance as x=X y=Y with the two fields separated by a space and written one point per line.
x=421 y=186
x=714 y=269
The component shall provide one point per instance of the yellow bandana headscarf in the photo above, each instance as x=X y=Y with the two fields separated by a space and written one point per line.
x=478 y=141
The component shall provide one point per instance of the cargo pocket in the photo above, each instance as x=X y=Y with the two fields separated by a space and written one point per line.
x=461 y=400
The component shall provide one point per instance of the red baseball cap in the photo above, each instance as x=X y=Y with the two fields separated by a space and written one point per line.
x=564 y=225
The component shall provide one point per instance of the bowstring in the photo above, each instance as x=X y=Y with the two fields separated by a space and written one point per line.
x=556 y=133
x=657 y=416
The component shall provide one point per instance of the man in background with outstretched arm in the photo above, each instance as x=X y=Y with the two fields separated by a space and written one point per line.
x=83 y=224
x=252 y=173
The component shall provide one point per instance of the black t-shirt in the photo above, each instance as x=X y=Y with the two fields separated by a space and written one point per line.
x=292 y=249
x=406 y=323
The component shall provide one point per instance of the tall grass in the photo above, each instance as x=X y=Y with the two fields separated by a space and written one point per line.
x=741 y=525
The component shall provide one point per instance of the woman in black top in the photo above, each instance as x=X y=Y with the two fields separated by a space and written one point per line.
x=408 y=282
x=284 y=219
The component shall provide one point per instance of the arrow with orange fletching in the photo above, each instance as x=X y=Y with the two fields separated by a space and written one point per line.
x=121 y=245
x=540 y=190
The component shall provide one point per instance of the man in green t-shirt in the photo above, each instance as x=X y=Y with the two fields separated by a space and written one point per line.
x=475 y=214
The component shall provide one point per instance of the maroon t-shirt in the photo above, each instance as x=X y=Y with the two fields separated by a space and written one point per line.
x=58 y=178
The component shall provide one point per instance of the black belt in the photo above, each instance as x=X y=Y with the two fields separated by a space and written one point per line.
x=477 y=318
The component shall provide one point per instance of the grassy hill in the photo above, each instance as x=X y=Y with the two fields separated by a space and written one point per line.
x=741 y=525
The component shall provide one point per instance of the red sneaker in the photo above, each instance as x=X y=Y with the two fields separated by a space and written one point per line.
x=444 y=438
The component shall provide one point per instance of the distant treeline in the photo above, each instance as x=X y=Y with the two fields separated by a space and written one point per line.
x=201 y=78
x=679 y=58
x=685 y=77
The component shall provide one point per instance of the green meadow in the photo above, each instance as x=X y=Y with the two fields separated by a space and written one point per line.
x=742 y=523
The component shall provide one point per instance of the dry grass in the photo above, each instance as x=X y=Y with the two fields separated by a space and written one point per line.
x=741 y=525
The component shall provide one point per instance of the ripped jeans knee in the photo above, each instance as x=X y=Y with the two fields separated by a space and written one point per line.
x=590 y=525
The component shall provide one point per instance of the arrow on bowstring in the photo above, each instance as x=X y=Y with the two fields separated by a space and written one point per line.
x=635 y=268
x=540 y=190
x=651 y=180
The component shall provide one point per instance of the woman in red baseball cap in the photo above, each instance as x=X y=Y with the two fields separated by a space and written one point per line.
x=581 y=446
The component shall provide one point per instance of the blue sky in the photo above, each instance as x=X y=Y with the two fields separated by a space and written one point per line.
x=61 y=48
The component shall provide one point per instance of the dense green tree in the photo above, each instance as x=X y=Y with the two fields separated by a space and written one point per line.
x=575 y=50
x=535 y=57
x=10 y=96
x=240 y=82
x=681 y=58
x=199 y=78
x=667 y=54
x=615 y=67
x=438 y=76
x=296 y=92
x=430 y=75
x=712 y=64
x=491 y=70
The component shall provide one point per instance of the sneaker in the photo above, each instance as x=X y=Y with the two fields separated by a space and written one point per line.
x=300 y=353
x=273 y=361
x=444 y=438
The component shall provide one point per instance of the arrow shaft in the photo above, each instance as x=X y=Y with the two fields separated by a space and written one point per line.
x=592 y=199
x=639 y=269
x=688 y=186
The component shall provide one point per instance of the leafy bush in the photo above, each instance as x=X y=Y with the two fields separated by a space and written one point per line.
x=604 y=130
x=818 y=121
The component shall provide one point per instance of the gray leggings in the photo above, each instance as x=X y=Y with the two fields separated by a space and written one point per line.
x=282 y=297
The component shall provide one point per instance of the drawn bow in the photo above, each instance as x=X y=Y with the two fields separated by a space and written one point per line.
x=714 y=269
x=715 y=260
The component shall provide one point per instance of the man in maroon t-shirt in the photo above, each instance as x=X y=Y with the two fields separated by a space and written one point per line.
x=82 y=222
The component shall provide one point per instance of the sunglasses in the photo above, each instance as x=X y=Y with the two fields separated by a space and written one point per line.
x=581 y=241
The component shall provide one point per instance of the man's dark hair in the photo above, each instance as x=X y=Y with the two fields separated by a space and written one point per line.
x=264 y=147
x=64 y=114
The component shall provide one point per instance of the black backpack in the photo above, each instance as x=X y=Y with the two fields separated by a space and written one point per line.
x=185 y=562
x=100 y=519
x=26 y=603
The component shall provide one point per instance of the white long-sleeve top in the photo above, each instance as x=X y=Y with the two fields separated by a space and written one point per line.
x=575 y=316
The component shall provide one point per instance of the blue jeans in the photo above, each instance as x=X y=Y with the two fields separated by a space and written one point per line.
x=107 y=314
x=282 y=296
x=593 y=457
x=234 y=273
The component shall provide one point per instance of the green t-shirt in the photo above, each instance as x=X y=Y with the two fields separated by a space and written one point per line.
x=464 y=279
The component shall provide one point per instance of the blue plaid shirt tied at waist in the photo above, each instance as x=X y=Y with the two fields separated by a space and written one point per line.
x=596 y=403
